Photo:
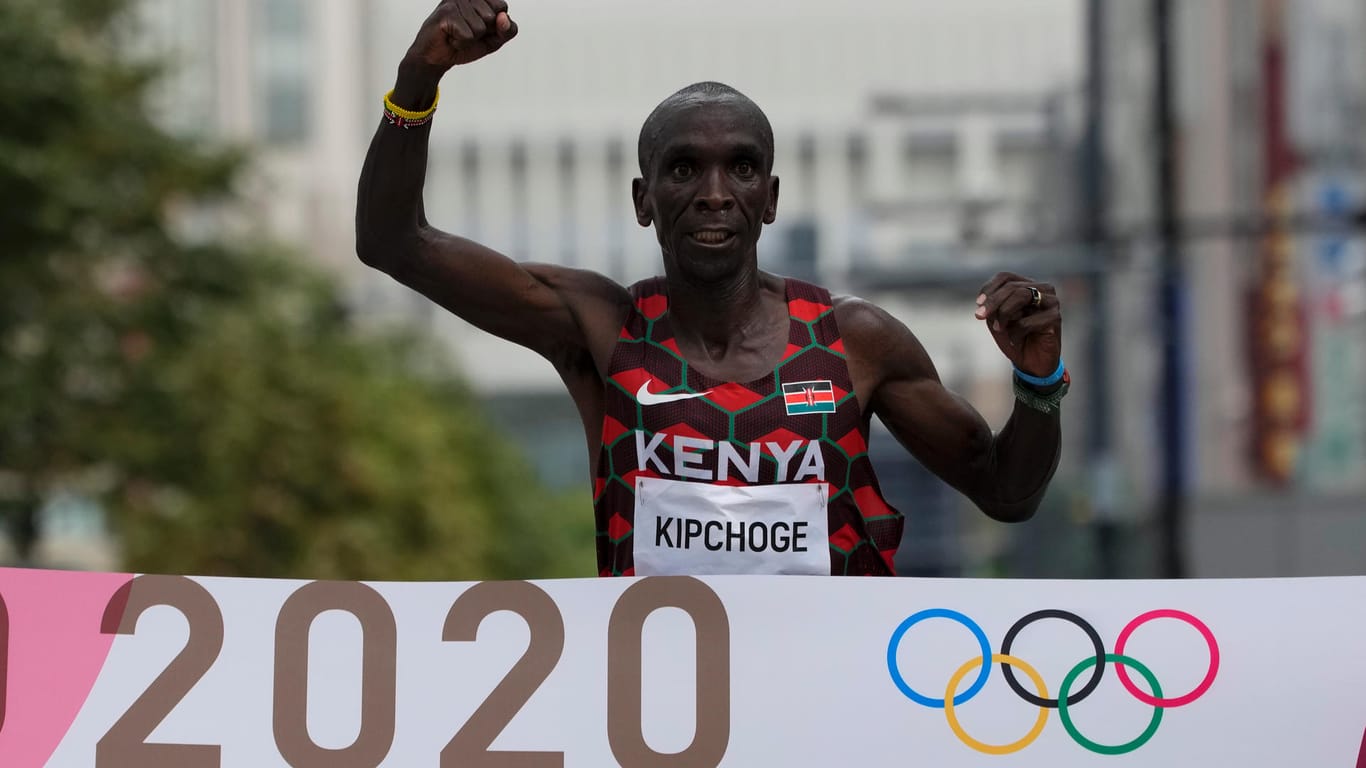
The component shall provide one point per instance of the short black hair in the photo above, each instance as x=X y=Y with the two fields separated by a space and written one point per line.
x=692 y=95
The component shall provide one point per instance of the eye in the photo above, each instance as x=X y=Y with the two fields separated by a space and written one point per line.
x=744 y=168
x=681 y=171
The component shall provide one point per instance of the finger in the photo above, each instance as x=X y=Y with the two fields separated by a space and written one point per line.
x=437 y=20
x=988 y=297
x=507 y=28
x=485 y=11
x=498 y=6
x=457 y=30
x=1016 y=335
x=999 y=279
x=1047 y=298
x=985 y=292
x=989 y=306
x=483 y=47
x=1014 y=299
x=1032 y=325
x=476 y=24
x=1015 y=302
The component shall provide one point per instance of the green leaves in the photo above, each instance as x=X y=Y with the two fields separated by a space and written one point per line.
x=213 y=396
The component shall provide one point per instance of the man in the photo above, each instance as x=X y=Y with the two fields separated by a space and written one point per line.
x=726 y=409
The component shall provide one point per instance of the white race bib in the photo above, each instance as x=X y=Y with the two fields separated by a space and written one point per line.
x=705 y=529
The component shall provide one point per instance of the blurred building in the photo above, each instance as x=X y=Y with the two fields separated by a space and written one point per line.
x=1269 y=104
x=913 y=141
x=281 y=76
x=922 y=146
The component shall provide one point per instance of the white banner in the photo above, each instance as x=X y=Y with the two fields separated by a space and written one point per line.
x=114 y=671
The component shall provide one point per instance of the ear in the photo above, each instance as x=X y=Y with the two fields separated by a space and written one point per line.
x=771 y=210
x=638 y=192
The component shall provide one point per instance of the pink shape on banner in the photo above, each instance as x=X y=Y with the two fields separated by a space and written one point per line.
x=56 y=652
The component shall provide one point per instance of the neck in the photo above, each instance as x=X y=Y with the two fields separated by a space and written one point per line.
x=719 y=315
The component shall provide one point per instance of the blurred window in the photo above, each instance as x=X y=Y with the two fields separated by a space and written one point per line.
x=521 y=197
x=929 y=163
x=618 y=180
x=280 y=57
x=568 y=161
x=469 y=178
x=856 y=145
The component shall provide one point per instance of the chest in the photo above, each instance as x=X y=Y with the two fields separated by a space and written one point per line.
x=748 y=358
x=793 y=384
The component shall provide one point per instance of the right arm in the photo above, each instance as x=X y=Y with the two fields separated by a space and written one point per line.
x=543 y=307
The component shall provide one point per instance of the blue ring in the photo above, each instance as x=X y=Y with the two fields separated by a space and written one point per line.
x=938 y=613
x=1046 y=381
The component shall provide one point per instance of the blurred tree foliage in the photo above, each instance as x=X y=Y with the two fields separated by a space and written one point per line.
x=212 y=394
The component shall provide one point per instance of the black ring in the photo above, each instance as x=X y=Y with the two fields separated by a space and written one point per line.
x=1054 y=613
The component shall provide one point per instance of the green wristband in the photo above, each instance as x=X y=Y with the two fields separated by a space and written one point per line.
x=1044 y=403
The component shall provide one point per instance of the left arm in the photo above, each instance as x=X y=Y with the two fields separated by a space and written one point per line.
x=1005 y=474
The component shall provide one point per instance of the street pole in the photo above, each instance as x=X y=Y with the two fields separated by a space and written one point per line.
x=1094 y=202
x=1094 y=206
x=1171 y=304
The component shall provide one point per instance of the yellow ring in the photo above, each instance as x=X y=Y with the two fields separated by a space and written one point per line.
x=992 y=749
x=408 y=114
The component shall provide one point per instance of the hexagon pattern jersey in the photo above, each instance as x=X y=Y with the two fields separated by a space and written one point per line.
x=807 y=400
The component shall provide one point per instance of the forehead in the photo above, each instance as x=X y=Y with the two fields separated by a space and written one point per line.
x=720 y=123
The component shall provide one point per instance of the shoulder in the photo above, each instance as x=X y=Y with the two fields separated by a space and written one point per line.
x=878 y=343
x=579 y=284
x=598 y=305
x=593 y=298
x=865 y=325
x=861 y=318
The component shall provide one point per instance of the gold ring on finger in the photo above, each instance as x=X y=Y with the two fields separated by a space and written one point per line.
x=1035 y=296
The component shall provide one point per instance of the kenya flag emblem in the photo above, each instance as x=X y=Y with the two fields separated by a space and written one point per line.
x=809 y=397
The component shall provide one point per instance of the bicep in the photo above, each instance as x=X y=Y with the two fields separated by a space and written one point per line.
x=940 y=428
x=489 y=290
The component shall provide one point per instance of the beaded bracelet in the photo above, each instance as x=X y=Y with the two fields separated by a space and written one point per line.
x=406 y=118
x=1044 y=403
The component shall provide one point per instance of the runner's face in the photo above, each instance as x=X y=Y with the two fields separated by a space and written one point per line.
x=708 y=194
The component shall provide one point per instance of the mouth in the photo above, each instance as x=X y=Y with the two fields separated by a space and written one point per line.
x=712 y=237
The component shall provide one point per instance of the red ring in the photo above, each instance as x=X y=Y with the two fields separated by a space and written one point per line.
x=1168 y=613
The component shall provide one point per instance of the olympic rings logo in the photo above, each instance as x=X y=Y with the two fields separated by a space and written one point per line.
x=1066 y=697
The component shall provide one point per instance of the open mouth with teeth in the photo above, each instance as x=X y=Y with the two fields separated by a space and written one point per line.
x=712 y=236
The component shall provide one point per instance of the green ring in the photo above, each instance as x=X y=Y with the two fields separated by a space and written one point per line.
x=1072 y=731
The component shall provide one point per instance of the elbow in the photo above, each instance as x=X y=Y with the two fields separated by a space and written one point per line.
x=383 y=240
x=371 y=254
x=1000 y=507
x=1013 y=494
x=386 y=254
x=1011 y=513
x=369 y=243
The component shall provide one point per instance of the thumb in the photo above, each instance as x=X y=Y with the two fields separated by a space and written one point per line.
x=507 y=28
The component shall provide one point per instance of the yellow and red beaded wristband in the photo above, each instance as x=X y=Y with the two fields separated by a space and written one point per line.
x=406 y=118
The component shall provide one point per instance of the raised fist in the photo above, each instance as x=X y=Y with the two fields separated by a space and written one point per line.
x=1025 y=319
x=461 y=31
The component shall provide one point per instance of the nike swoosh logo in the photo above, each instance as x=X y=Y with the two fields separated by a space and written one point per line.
x=645 y=397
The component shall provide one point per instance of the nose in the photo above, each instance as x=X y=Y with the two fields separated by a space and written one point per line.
x=714 y=194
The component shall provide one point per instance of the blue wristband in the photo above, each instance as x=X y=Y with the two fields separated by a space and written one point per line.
x=1038 y=382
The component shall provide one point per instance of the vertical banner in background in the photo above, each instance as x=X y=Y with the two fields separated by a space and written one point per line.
x=1278 y=331
x=112 y=670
